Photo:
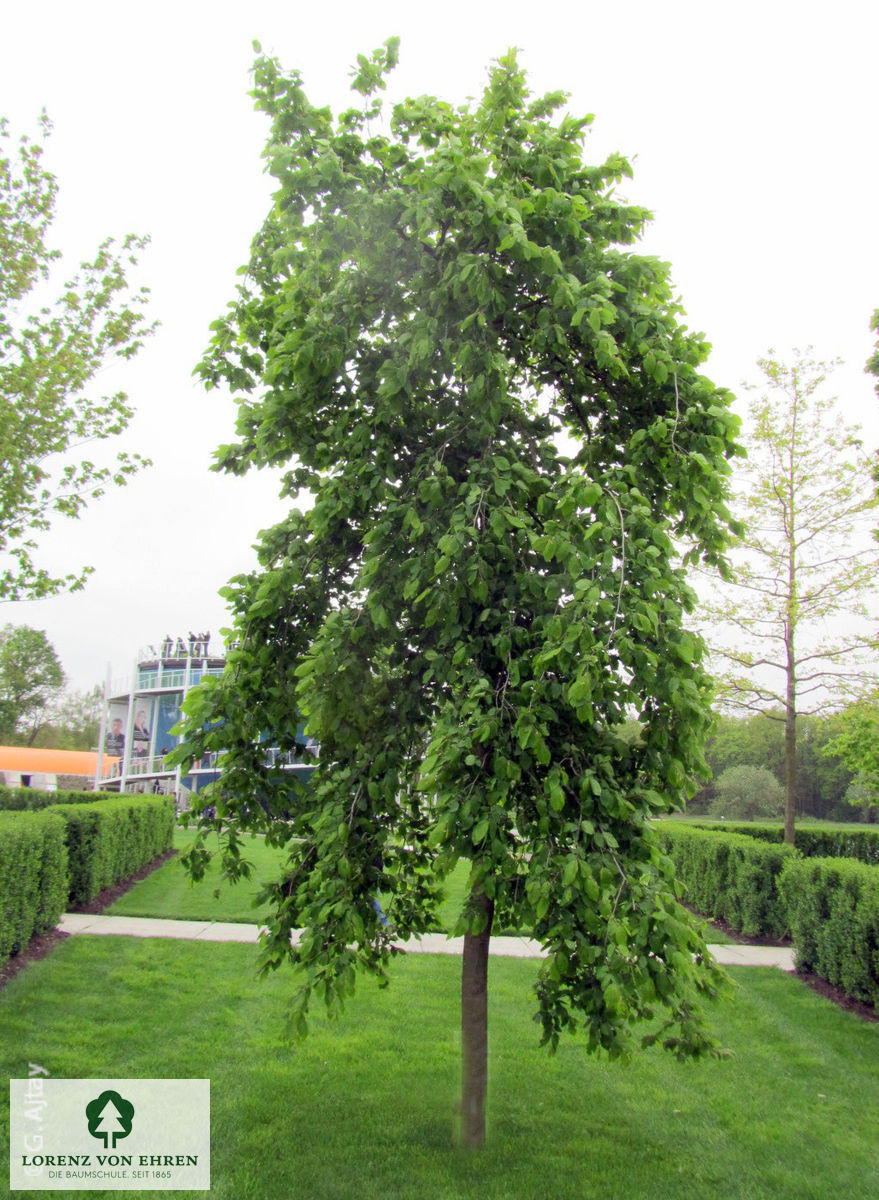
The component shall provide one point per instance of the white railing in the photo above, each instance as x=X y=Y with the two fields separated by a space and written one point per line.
x=155 y=764
x=149 y=766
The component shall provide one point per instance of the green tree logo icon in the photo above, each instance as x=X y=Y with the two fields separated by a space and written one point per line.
x=109 y=1116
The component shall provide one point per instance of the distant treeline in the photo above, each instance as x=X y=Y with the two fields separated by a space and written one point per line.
x=825 y=787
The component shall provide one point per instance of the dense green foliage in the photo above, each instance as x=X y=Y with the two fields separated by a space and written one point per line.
x=729 y=877
x=467 y=615
x=747 y=876
x=856 y=744
x=33 y=877
x=50 y=352
x=112 y=838
x=823 y=777
x=832 y=906
x=30 y=678
x=747 y=793
x=20 y=798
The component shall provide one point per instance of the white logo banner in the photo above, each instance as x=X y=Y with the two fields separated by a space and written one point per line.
x=109 y=1134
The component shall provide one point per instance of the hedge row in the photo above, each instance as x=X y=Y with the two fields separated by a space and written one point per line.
x=70 y=853
x=18 y=799
x=832 y=906
x=33 y=877
x=729 y=877
x=814 y=842
x=109 y=840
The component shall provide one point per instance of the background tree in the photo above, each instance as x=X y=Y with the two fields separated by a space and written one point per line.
x=872 y=368
x=30 y=678
x=49 y=355
x=467 y=617
x=805 y=563
x=864 y=798
x=72 y=721
x=747 y=793
x=758 y=741
x=754 y=741
x=856 y=743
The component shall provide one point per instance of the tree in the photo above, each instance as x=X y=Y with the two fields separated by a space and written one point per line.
x=747 y=793
x=30 y=678
x=758 y=741
x=872 y=368
x=857 y=744
x=467 y=616
x=754 y=741
x=49 y=355
x=72 y=721
x=804 y=561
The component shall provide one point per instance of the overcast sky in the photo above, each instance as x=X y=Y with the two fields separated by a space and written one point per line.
x=751 y=128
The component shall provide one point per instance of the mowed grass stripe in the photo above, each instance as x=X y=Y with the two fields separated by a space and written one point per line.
x=169 y=892
x=364 y=1107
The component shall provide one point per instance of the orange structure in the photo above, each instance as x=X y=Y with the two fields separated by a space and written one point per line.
x=27 y=760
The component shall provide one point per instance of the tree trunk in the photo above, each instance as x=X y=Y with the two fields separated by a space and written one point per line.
x=790 y=773
x=474 y=1028
x=792 y=616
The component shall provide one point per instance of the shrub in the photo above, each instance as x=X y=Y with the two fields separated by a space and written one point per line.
x=747 y=792
x=833 y=910
x=109 y=840
x=33 y=877
x=21 y=799
x=728 y=876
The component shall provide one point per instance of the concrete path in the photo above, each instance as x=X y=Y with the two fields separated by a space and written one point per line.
x=429 y=943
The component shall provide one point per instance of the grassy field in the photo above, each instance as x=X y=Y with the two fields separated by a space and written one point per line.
x=168 y=892
x=801 y=823
x=363 y=1108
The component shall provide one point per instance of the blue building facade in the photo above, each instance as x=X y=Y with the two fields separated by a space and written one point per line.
x=141 y=709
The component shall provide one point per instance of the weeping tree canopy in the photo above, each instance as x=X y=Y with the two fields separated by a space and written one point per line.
x=444 y=334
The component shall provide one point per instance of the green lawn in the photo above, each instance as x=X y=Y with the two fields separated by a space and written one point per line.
x=364 y=1107
x=168 y=892
x=801 y=823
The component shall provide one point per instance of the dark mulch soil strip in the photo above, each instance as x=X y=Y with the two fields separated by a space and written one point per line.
x=865 y=1011
x=111 y=894
x=39 y=947
x=734 y=936
x=36 y=948
x=743 y=939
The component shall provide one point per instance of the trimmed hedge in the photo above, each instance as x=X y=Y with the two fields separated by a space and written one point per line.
x=814 y=842
x=109 y=840
x=33 y=877
x=833 y=910
x=728 y=876
x=23 y=799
